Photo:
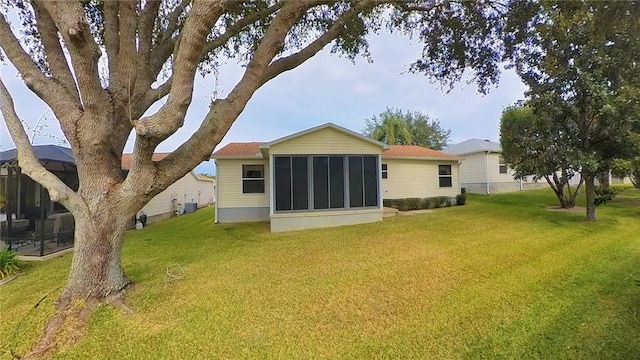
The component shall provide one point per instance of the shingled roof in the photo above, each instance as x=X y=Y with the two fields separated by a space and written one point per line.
x=415 y=152
x=247 y=149
x=126 y=159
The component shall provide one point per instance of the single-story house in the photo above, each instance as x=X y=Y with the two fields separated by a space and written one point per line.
x=190 y=189
x=483 y=169
x=324 y=176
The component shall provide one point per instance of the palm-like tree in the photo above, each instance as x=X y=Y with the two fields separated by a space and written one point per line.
x=392 y=130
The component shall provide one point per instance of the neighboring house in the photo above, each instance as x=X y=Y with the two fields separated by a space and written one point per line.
x=319 y=177
x=191 y=188
x=483 y=169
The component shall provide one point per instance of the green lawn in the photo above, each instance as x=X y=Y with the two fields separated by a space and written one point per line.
x=498 y=278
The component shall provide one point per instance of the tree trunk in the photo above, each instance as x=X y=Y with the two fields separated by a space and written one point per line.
x=590 y=186
x=96 y=271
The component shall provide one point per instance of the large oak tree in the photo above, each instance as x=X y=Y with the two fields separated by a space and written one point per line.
x=101 y=65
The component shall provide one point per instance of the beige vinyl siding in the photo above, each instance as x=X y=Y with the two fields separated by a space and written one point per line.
x=407 y=178
x=205 y=192
x=494 y=170
x=324 y=141
x=229 y=182
x=472 y=168
x=184 y=190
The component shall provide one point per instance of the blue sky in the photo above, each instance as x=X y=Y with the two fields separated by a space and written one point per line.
x=325 y=88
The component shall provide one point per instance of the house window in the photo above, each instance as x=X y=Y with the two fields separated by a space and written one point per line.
x=502 y=165
x=384 y=171
x=444 y=175
x=252 y=179
x=325 y=182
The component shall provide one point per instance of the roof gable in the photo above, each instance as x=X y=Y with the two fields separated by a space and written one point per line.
x=328 y=125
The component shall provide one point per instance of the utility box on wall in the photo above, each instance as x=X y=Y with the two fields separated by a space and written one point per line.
x=190 y=207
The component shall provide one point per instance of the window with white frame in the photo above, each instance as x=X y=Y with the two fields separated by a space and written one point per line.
x=252 y=179
x=444 y=176
x=502 y=165
x=385 y=172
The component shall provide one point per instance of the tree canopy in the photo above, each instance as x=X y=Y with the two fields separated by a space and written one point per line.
x=393 y=126
x=535 y=147
x=582 y=69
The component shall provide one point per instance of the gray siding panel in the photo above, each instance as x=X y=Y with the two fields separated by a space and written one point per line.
x=245 y=214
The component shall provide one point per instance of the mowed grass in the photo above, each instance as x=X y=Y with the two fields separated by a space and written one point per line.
x=498 y=278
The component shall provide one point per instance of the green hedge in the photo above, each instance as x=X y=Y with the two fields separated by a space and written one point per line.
x=407 y=204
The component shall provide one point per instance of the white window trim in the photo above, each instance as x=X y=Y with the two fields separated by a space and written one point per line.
x=253 y=179
x=450 y=176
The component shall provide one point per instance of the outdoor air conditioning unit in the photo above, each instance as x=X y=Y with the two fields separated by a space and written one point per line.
x=190 y=207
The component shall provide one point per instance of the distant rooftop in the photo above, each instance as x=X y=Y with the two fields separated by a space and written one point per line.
x=473 y=145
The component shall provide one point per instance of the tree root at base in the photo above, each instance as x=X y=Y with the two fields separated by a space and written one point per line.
x=69 y=323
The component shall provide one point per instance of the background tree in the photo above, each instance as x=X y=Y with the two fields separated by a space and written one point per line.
x=582 y=72
x=628 y=168
x=537 y=147
x=393 y=126
x=101 y=65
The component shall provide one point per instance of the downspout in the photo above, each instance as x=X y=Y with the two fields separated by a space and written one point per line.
x=486 y=169
x=215 y=163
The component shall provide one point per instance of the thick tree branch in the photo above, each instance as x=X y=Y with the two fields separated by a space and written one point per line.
x=335 y=30
x=165 y=45
x=53 y=50
x=237 y=27
x=161 y=55
x=171 y=115
x=71 y=20
x=30 y=165
x=49 y=90
x=145 y=28
x=156 y=94
x=111 y=37
x=223 y=113
x=124 y=78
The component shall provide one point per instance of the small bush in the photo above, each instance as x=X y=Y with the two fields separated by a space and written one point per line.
x=8 y=263
x=441 y=201
x=407 y=204
x=413 y=203
x=604 y=194
x=461 y=199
